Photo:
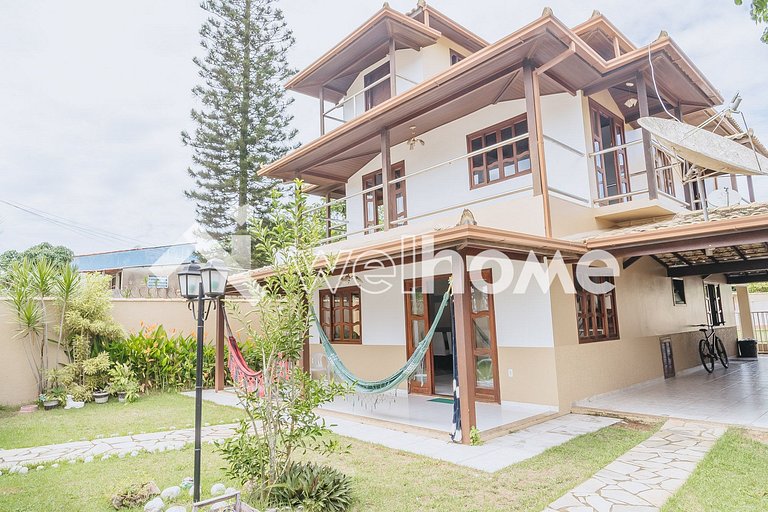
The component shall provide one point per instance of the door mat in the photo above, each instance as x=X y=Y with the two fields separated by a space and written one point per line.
x=441 y=400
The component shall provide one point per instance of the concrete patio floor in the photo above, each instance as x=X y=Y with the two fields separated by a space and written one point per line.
x=734 y=396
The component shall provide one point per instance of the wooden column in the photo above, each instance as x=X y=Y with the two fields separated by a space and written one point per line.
x=536 y=140
x=392 y=68
x=327 y=215
x=219 y=363
x=462 y=306
x=322 y=110
x=386 y=163
x=751 y=189
x=650 y=171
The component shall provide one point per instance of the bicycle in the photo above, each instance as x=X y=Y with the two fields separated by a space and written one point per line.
x=710 y=348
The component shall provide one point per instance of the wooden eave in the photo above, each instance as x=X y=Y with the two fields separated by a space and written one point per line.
x=449 y=28
x=337 y=69
x=467 y=237
x=696 y=236
x=604 y=25
x=486 y=77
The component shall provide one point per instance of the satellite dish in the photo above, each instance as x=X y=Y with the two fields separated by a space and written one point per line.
x=713 y=153
x=723 y=197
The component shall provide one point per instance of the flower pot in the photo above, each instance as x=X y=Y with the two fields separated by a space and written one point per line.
x=100 y=397
x=50 y=404
x=121 y=396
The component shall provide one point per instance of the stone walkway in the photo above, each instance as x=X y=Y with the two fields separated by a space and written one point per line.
x=111 y=446
x=644 y=478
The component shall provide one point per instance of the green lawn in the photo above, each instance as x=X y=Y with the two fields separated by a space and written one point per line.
x=732 y=477
x=151 y=413
x=384 y=479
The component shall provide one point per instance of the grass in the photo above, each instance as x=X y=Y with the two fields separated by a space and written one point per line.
x=384 y=479
x=152 y=412
x=731 y=477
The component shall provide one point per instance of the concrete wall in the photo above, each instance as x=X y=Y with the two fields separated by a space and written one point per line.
x=646 y=312
x=17 y=383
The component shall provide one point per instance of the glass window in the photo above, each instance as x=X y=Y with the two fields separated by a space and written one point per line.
x=596 y=317
x=678 y=290
x=340 y=315
x=500 y=162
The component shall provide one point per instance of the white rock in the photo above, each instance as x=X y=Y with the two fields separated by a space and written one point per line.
x=230 y=490
x=1 y=473
x=218 y=489
x=88 y=459
x=72 y=461
x=154 y=505
x=54 y=465
x=171 y=493
x=134 y=453
x=176 y=508
x=105 y=457
x=121 y=455
x=39 y=468
x=23 y=470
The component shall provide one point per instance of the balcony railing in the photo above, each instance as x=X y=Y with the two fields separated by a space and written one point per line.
x=358 y=100
x=337 y=224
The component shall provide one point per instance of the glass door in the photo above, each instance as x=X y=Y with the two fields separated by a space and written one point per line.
x=484 y=343
x=611 y=173
x=417 y=325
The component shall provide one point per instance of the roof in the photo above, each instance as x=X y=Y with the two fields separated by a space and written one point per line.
x=336 y=69
x=489 y=76
x=165 y=255
x=433 y=18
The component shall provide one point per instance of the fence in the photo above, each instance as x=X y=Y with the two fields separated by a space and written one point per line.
x=760 y=326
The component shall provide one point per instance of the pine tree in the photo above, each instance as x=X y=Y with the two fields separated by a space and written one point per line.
x=243 y=122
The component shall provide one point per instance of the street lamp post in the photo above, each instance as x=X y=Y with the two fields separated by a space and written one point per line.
x=201 y=284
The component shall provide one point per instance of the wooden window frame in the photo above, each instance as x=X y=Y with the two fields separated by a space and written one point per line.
x=486 y=394
x=397 y=170
x=370 y=98
x=348 y=291
x=455 y=57
x=674 y=298
x=622 y=175
x=500 y=160
x=586 y=310
x=665 y=179
x=714 y=304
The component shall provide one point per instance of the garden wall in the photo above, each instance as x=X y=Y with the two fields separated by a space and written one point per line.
x=17 y=383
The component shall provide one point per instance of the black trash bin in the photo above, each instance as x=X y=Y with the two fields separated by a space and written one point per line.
x=747 y=348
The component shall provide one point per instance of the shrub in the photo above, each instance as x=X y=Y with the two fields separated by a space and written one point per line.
x=316 y=488
x=123 y=380
x=161 y=361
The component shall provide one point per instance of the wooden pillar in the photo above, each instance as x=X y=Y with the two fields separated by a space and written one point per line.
x=327 y=215
x=751 y=189
x=745 y=312
x=734 y=182
x=462 y=304
x=650 y=170
x=219 y=362
x=322 y=110
x=392 y=68
x=386 y=163
x=536 y=140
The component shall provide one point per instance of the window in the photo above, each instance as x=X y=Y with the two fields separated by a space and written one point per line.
x=456 y=57
x=373 y=202
x=714 y=304
x=340 y=315
x=665 y=178
x=678 y=291
x=596 y=313
x=502 y=162
x=611 y=174
x=380 y=92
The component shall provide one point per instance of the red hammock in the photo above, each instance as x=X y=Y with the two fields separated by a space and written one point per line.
x=242 y=375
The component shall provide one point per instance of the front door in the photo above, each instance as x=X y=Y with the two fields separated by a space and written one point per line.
x=417 y=325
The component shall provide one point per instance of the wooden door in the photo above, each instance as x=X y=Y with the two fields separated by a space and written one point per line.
x=416 y=327
x=611 y=171
x=484 y=347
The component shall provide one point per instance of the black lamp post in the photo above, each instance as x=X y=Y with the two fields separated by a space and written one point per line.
x=201 y=284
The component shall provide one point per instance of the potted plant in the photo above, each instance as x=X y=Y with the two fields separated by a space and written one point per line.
x=123 y=383
x=100 y=396
x=47 y=401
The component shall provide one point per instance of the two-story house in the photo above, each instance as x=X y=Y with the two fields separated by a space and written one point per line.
x=535 y=135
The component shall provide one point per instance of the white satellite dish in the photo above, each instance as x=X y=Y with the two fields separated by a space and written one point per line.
x=723 y=197
x=713 y=153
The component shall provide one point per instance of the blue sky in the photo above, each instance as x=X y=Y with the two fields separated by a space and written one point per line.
x=93 y=96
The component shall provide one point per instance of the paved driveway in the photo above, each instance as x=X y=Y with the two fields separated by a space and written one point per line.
x=738 y=395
